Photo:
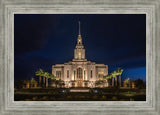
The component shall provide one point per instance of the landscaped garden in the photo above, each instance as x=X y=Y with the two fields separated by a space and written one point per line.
x=95 y=94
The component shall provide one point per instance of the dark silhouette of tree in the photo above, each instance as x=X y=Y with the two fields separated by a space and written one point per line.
x=140 y=84
x=19 y=84
x=40 y=73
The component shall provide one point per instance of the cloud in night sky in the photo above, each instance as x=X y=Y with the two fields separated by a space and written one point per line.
x=117 y=40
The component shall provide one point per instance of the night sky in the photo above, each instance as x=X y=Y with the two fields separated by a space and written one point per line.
x=117 y=40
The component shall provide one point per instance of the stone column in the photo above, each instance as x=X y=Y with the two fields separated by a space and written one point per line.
x=112 y=81
x=119 y=80
x=116 y=80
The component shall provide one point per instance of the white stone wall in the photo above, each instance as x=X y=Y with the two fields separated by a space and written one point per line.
x=58 y=67
x=67 y=67
x=86 y=65
x=76 y=53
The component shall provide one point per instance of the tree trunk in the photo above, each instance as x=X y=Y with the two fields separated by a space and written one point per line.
x=40 y=82
x=116 y=80
x=46 y=82
x=119 y=80
x=113 y=81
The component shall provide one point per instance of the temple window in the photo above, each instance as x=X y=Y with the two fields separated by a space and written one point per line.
x=67 y=73
x=79 y=73
x=100 y=75
x=91 y=73
x=79 y=55
x=58 y=74
x=74 y=74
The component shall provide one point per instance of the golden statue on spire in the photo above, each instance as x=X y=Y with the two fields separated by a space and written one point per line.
x=79 y=27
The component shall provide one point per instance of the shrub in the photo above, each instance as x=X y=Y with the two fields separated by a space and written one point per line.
x=52 y=98
x=95 y=97
x=114 y=98
x=131 y=99
x=35 y=98
x=129 y=92
x=44 y=98
x=76 y=96
x=103 y=97
x=122 y=99
x=69 y=97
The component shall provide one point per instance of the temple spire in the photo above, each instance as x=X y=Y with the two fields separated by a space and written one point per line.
x=79 y=28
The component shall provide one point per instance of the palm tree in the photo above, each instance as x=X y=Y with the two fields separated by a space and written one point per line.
x=126 y=81
x=108 y=78
x=52 y=77
x=116 y=73
x=33 y=81
x=46 y=75
x=119 y=73
x=99 y=82
x=113 y=75
x=40 y=73
x=58 y=82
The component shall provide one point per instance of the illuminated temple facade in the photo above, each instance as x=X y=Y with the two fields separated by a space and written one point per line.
x=80 y=72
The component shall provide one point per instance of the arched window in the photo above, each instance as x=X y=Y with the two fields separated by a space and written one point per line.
x=79 y=73
x=58 y=74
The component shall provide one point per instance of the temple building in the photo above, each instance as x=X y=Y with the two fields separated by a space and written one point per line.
x=80 y=72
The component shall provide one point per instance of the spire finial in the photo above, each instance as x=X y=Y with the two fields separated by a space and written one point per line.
x=79 y=28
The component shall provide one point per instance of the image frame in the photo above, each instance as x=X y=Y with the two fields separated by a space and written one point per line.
x=8 y=9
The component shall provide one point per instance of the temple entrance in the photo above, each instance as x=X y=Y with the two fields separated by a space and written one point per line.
x=79 y=77
x=73 y=84
x=79 y=83
x=79 y=74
